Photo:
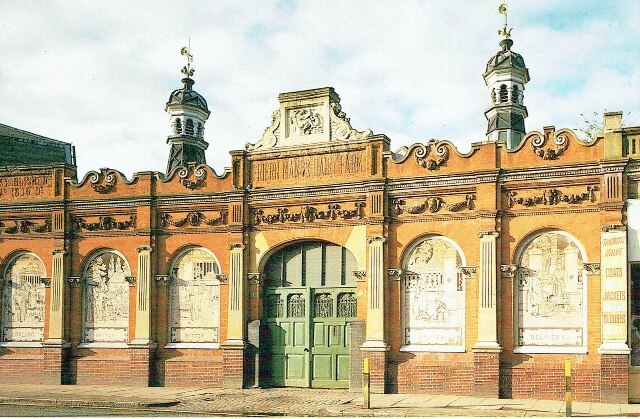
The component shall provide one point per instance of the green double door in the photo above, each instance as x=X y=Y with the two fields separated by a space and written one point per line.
x=308 y=336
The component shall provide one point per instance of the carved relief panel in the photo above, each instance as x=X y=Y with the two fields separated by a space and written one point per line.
x=106 y=299
x=550 y=294
x=433 y=306
x=194 y=299
x=23 y=300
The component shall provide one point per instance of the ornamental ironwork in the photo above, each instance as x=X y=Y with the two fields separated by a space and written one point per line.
x=323 y=306
x=347 y=305
x=295 y=306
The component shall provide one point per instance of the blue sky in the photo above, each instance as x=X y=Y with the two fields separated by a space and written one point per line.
x=98 y=74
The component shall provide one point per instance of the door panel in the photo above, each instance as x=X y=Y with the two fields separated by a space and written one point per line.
x=307 y=344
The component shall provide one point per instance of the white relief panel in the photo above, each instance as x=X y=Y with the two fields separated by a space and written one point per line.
x=551 y=293
x=23 y=301
x=106 y=299
x=433 y=295
x=195 y=299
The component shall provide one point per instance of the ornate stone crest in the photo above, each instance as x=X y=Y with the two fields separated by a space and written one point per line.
x=192 y=178
x=561 y=143
x=103 y=182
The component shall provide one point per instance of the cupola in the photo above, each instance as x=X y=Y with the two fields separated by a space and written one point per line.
x=188 y=112
x=505 y=76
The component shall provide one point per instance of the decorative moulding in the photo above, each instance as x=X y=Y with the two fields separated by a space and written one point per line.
x=432 y=204
x=553 y=196
x=613 y=227
x=468 y=271
x=194 y=219
x=103 y=182
x=24 y=226
x=308 y=214
x=191 y=177
x=104 y=223
x=560 y=144
x=222 y=278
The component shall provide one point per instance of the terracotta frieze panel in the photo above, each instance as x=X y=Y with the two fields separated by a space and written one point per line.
x=104 y=223
x=552 y=196
x=433 y=204
x=193 y=219
x=25 y=226
x=308 y=214
x=22 y=302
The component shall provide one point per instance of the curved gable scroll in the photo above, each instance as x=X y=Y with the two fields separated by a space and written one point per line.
x=193 y=178
x=104 y=181
x=562 y=145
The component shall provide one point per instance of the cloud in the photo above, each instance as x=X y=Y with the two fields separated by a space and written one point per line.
x=99 y=74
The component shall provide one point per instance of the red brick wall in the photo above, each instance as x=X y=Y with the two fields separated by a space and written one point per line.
x=547 y=380
x=21 y=366
x=233 y=372
x=377 y=370
x=190 y=371
x=430 y=374
x=486 y=371
x=614 y=378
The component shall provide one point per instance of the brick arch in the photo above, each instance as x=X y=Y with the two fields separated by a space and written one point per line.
x=287 y=242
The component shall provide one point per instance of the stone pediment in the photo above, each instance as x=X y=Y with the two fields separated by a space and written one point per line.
x=308 y=117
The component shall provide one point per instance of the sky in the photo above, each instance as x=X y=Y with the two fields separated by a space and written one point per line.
x=98 y=74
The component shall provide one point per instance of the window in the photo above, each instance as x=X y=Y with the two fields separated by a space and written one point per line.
x=433 y=297
x=514 y=94
x=106 y=299
x=504 y=95
x=550 y=295
x=188 y=129
x=22 y=302
x=194 y=299
x=177 y=126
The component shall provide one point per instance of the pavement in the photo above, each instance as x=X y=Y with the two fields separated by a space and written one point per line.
x=287 y=402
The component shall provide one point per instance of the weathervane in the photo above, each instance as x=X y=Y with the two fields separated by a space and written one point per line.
x=503 y=11
x=186 y=51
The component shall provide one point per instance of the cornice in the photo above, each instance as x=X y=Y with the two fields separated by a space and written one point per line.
x=431 y=181
x=527 y=213
x=306 y=191
x=549 y=172
x=34 y=207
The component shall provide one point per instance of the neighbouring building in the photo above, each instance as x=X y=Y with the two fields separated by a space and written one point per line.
x=476 y=273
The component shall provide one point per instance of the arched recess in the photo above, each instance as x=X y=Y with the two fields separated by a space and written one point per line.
x=309 y=303
x=194 y=299
x=22 y=304
x=433 y=296
x=550 y=294
x=106 y=281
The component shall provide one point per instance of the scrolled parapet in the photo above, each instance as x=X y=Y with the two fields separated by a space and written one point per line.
x=192 y=177
x=560 y=144
x=341 y=128
x=270 y=136
x=103 y=182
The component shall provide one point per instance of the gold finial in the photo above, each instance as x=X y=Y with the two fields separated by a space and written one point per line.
x=186 y=51
x=502 y=9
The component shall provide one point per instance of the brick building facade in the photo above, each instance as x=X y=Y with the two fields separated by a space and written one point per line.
x=476 y=273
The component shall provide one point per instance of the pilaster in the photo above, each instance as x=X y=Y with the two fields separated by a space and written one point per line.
x=486 y=357
x=234 y=346
x=375 y=347
x=143 y=298
x=55 y=351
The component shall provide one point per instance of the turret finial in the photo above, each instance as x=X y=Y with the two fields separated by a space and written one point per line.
x=506 y=33
x=186 y=51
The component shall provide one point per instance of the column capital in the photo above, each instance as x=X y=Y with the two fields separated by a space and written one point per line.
x=468 y=271
x=591 y=268
x=484 y=233
x=234 y=246
x=55 y=252
x=131 y=280
x=255 y=277
x=613 y=227
x=141 y=249
x=394 y=274
x=508 y=270
x=73 y=281
x=376 y=239
x=222 y=278
x=360 y=275
x=46 y=281
x=162 y=280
